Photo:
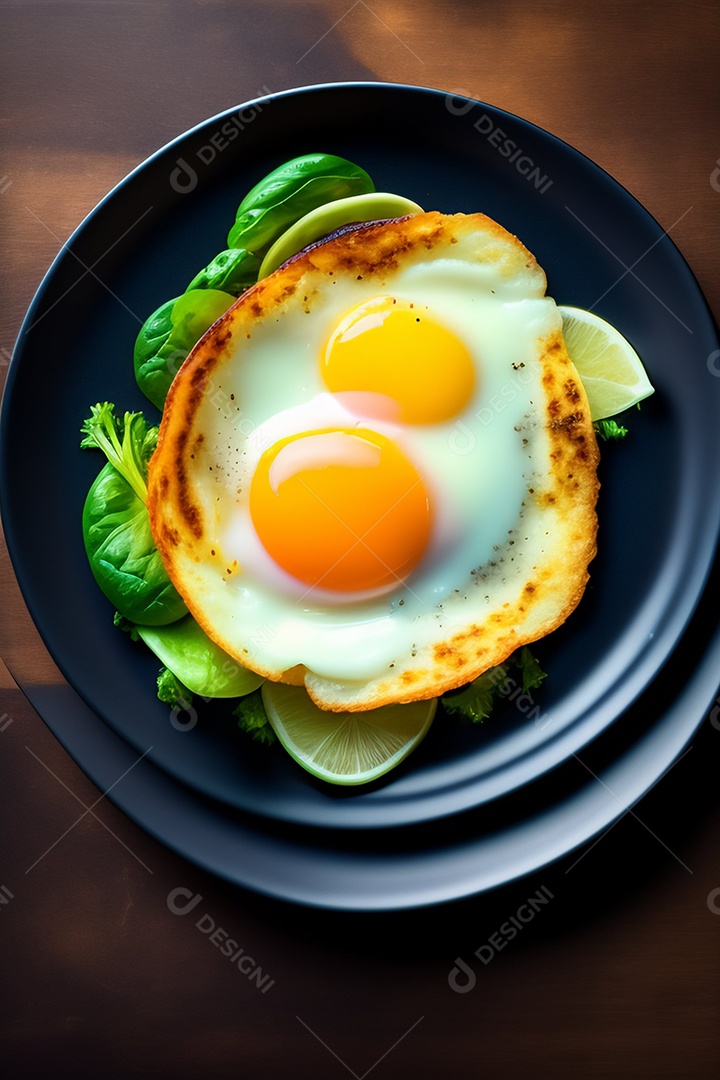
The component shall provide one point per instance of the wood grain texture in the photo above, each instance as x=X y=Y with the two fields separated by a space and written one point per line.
x=619 y=975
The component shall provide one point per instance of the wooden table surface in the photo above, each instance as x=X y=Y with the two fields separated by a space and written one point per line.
x=620 y=975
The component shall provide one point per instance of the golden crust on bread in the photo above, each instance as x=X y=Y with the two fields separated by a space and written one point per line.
x=536 y=599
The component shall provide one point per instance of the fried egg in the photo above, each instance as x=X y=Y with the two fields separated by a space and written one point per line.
x=376 y=474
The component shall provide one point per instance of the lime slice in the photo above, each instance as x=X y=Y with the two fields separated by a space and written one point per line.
x=612 y=372
x=345 y=747
x=372 y=206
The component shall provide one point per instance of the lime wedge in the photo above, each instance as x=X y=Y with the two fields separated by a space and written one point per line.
x=372 y=206
x=612 y=372
x=345 y=747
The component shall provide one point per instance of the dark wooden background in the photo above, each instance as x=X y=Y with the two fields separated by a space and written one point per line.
x=620 y=975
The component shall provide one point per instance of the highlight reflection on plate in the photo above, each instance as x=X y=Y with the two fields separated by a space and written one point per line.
x=659 y=508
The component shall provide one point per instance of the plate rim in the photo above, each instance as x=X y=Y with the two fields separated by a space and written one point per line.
x=431 y=885
x=292 y=93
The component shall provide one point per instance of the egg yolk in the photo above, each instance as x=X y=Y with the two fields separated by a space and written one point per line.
x=341 y=509
x=393 y=347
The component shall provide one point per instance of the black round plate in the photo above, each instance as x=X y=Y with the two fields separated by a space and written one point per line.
x=660 y=501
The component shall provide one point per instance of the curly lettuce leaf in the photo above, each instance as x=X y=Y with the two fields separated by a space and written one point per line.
x=127 y=443
x=172 y=691
x=252 y=718
x=609 y=430
x=476 y=701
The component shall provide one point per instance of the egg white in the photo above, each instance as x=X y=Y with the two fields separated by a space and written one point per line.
x=478 y=466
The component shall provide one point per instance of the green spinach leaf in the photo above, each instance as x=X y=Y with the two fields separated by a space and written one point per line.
x=168 y=335
x=289 y=192
x=231 y=271
x=252 y=719
x=122 y=553
x=116 y=529
x=200 y=665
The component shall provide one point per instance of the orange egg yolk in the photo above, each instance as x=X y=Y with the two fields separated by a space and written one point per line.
x=392 y=347
x=341 y=509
